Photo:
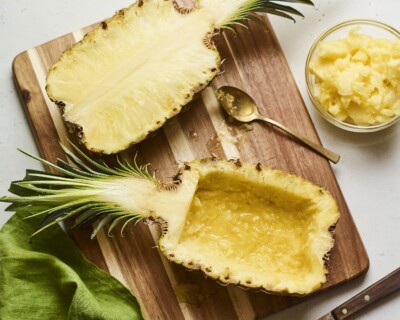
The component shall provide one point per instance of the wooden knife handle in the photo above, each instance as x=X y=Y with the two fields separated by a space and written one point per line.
x=378 y=290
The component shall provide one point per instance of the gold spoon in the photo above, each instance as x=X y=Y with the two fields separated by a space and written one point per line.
x=240 y=106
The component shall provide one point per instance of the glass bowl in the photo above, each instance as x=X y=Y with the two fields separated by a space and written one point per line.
x=372 y=28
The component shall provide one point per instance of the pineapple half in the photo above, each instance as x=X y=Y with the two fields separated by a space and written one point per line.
x=239 y=223
x=139 y=68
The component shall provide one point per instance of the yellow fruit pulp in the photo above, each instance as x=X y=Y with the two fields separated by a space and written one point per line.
x=263 y=233
x=358 y=78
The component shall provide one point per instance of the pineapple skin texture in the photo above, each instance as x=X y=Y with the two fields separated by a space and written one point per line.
x=109 y=115
x=292 y=262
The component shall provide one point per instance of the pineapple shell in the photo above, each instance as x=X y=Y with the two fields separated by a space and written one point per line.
x=239 y=223
x=251 y=226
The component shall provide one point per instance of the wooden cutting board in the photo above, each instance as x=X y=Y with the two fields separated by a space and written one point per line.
x=255 y=63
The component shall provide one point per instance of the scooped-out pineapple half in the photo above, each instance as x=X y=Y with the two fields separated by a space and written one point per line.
x=239 y=223
x=139 y=68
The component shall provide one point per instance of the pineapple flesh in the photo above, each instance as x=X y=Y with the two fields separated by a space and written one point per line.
x=239 y=223
x=254 y=227
x=139 y=68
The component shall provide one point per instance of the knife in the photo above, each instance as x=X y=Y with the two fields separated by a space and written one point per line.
x=378 y=290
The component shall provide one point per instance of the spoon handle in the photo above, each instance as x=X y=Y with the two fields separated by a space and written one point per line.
x=328 y=154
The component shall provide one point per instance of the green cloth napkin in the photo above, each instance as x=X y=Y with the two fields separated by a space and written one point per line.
x=50 y=279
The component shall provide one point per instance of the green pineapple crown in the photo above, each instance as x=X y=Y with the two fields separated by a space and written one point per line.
x=73 y=195
x=251 y=10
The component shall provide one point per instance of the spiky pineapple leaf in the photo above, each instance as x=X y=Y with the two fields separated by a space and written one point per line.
x=307 y=2
x=277 y=13
x=266 y=6
x=26 y=210
x=78 y=162
x=52 y=217
x=280 y=7
x=106 y=220
x=73 y=194
x=64 y=165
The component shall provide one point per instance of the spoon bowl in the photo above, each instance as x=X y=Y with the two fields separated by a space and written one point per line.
x=237 y=103
x=241 y=106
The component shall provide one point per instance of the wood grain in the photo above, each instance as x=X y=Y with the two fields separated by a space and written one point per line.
x=375 y=292
x=255 y=63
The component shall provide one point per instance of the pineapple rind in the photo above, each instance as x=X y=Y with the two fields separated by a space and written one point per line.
x=318 y=239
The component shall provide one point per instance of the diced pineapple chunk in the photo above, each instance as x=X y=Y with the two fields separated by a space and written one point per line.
x=360 y=56
x=332 y=50
x=358 y=78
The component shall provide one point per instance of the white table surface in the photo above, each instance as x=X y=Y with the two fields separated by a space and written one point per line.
x=368 y=172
